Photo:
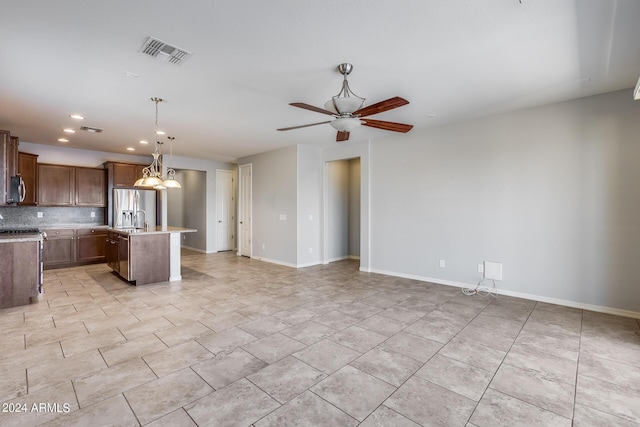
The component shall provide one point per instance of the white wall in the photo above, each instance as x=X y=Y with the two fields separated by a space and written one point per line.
x=309 y=193
x=63 y=155
x=274 y=194
x=552 y=192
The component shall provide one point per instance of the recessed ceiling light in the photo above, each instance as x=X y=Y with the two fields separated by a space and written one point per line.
x=131 y=149
x=67 y=130
x=160 y=132
x=143 y=141
x=76 y=116
x=431 y=116
x=130 y=74
x=63 y=140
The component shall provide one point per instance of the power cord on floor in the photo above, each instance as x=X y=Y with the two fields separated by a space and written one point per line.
x=482 y=290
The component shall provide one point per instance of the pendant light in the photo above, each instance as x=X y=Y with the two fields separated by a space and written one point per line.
x=152 y=176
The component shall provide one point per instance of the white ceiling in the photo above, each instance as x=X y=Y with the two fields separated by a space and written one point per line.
x=455 y=59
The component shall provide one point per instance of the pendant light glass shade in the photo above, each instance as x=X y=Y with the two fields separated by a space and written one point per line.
x=151 y=181
x=171 y=183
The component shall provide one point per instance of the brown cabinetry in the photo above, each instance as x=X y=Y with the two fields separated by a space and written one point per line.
x=19 y=280
x=60 y=185
x=141 y=258
x=111 y=251
x=123 y=175
x=90 y=245
x=90 y=187
x=28 y=169
x=8 y=164
x=59 y=249
x=66 y=247
x=56 y=186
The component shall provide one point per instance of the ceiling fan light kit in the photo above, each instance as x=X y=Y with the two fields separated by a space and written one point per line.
x=347 y=108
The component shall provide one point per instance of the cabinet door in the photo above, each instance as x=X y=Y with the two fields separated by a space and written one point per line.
x=90 y=185
x=28 y=169
x=56 y=185
x=90 y=245
x=20 y=273
x=59 y=248
x=4 y=147
x=124 y=175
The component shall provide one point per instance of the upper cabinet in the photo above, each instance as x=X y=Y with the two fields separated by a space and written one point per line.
x=91 y=188
x=8 y=164
x=123 y=174
x=56 y=186
x=28 y=169
x=60 y=185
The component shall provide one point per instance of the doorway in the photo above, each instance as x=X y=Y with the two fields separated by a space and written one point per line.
x=225 y=209
x=244 y=210
x=186 y=208
x=343 y=199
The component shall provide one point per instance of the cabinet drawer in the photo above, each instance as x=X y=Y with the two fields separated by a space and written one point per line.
x=91 y=231
x=61 y=233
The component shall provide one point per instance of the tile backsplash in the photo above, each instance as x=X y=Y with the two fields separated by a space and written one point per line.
x=27 y=216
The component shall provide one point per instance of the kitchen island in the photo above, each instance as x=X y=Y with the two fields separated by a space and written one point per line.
x=148 y=255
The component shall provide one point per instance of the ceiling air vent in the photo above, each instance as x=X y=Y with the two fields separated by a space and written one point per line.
x=163 y=51
x=90 y=129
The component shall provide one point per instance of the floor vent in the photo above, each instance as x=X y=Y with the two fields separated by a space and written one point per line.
x=163 y=51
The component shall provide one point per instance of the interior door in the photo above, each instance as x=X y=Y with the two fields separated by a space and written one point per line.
x=244 y=214
x=225 y=209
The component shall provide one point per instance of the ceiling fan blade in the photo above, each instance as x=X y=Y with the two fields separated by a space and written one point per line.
x=342 y=136
x=305 y=126
x=311 y=107
x=381 y=106
x=380 y=124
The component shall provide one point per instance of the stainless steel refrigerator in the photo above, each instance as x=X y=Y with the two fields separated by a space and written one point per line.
x=133 y=208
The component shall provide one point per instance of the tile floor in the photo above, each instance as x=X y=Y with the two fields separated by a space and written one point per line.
x=242 y=342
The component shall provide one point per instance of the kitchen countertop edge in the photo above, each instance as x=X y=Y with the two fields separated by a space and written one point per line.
x=151 y=230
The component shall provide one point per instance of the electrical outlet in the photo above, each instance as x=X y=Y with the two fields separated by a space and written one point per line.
x=481 y=268
x=40 y=214
x=310 y=250
x=263 y=247
x=93 y=214
x=283 y=217
x=442 y=263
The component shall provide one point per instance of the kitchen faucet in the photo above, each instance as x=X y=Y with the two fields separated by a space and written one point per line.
x=145 y=224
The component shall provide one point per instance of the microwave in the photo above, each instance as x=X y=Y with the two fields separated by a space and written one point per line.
x=17 y=190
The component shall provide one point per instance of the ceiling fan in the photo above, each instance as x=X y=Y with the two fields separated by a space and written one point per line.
x=348 y=110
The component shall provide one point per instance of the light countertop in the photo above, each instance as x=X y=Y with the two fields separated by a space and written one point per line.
x=20 y=237
x=152 y=229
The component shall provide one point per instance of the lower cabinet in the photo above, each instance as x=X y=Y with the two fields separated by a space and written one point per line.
x=67 y=247
x=20 y=273
x=59 y=250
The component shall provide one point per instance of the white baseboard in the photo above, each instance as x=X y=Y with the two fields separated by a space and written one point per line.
x=357 y=257
x=273 y=261
x=198 y=250
x=574 y=304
